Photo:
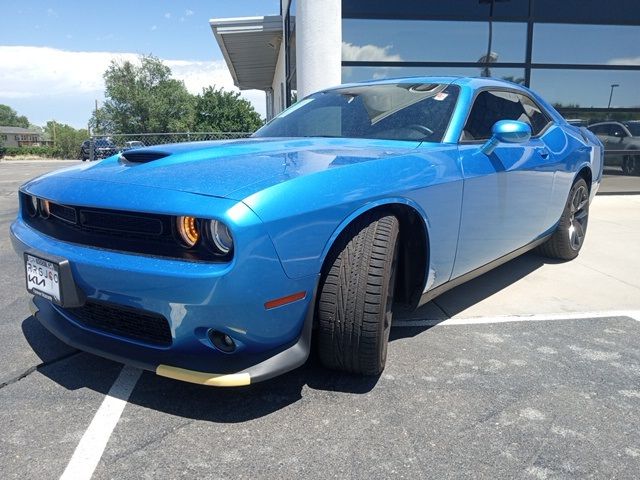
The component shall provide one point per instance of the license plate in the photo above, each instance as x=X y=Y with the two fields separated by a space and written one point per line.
x=43 y=278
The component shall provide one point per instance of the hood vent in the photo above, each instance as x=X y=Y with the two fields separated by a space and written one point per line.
x=143 y=156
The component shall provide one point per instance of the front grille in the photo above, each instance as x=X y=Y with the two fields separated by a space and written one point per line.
x=120 y=222
x=63 y=212
x=127 y=322
x=117 y=230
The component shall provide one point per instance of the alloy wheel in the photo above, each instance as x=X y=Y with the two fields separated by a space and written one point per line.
x=579 y=217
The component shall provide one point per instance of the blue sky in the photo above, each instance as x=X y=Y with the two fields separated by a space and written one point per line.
x=52 y=54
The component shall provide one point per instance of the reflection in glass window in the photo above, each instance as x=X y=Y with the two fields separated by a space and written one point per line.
x=358 y=74
x=586 y=44
x=588 y=88
x=420 y=9
x=581 y=11
x=431 y=41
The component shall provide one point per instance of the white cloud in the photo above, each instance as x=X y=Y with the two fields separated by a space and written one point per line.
x=351 y=52
x=624 y=61
x=51 y=12
x=188 y=12
x=154 y=28
x=167 y=15
x=36 y=73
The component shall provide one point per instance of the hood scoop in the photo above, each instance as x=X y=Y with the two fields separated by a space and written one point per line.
x=142 y=156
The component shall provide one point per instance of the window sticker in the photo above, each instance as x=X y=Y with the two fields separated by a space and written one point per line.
x=440 y=96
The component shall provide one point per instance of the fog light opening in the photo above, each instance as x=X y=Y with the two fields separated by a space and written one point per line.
x=222 y=341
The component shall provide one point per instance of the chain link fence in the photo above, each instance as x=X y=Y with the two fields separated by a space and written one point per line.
x=103 y=146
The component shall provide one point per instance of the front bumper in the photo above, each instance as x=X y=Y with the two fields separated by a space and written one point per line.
x=194 y=297
x=261 y=369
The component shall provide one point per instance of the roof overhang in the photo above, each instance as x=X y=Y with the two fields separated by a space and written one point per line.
x=250 y=46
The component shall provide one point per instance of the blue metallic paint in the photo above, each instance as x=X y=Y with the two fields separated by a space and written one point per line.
x=285 y=202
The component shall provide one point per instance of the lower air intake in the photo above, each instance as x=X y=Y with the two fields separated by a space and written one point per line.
x=126 y=322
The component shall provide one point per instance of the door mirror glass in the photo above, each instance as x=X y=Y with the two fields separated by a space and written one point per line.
x=507 y=131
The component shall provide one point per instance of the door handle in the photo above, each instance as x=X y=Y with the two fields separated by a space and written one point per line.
x=544 y=153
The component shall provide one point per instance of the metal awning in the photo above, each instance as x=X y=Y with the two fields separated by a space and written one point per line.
x=250 y=46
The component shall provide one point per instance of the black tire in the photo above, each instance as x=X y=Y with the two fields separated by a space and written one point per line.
x=567 y=240
x=355 y=298
x=631 y=165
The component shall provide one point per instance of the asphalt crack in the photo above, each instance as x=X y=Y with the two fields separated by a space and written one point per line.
x=30 y=370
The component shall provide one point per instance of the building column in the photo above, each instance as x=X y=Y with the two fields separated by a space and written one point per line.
x=318 y=45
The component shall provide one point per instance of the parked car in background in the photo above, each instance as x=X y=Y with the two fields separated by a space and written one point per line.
x=216 y=262
x=577 y=122
x=131 y=145
x=621 y=141
x=102 y=148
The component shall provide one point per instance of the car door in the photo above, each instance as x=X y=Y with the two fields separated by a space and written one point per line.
x=506 y=193
x=618 y=141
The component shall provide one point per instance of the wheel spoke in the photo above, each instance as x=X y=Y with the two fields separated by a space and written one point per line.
x=581 y=216
x=576 y=233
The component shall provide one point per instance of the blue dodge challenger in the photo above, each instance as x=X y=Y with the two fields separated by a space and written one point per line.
x=218 y=262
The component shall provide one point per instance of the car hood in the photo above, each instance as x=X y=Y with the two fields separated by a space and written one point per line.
x=221 y=168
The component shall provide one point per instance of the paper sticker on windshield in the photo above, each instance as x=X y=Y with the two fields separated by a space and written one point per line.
x=440 y=96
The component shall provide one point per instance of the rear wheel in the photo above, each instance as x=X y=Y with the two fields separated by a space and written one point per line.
x=567 y=240
x=356 y=296
x=631 y=165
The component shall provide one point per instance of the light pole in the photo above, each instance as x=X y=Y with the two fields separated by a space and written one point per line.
x=613 y=85
x=486 y=72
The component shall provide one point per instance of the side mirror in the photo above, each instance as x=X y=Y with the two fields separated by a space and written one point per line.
x=506 y=131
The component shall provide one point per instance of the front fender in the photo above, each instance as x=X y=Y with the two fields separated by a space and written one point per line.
x=305 y=215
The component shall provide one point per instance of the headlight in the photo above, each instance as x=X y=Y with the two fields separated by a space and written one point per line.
x=188 y=230
x=31 y=204
x=220 y=236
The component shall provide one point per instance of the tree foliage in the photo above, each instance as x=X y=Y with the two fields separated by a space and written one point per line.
x=66 y=139
x=10 y=118
x=144 y=98
x=217 y=110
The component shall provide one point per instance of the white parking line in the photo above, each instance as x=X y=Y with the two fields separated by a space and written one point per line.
x=89 y=451
x=635 y=314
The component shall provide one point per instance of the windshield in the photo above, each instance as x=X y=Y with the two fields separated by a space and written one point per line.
x=402 y=111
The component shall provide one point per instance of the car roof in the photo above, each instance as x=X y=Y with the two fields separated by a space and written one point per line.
x=606 y=123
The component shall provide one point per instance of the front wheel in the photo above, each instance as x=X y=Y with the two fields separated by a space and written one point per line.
x=356 y=296
x=567 y=240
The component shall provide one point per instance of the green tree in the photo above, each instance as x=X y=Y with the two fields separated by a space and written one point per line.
x=66 y=139
x=217 y=110
x=10 y=118
x=143 y=98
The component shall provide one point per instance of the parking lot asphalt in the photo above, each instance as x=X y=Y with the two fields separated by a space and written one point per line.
x=475 y=387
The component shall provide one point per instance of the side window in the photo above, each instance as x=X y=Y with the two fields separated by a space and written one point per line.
x=617 y=130
x=538 y=120
x=597 y=129
x=491 y=106
x=488 y=108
